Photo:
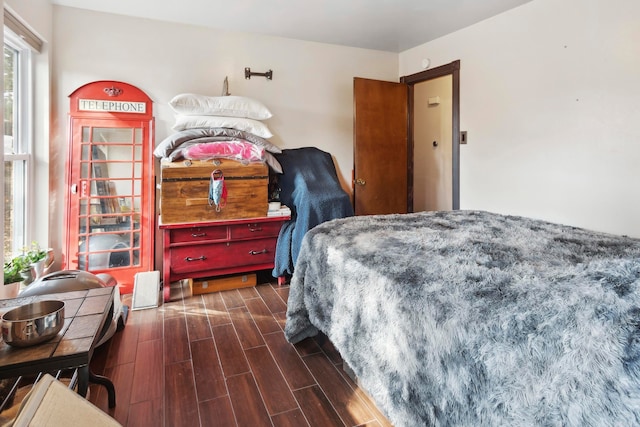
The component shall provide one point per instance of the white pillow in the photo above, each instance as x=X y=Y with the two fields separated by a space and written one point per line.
x=248 y=125
x=191 y=104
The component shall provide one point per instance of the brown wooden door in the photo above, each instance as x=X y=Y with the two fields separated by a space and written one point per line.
x=380 y=147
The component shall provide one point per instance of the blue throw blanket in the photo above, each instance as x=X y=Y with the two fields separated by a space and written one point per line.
x=310 y=187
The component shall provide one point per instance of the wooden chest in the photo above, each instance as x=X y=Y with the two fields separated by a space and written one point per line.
x=184 y=191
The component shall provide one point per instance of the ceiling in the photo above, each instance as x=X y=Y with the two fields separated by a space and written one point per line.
x=389 y=25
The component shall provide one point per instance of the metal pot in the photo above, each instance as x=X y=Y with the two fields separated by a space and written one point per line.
x=32 y=323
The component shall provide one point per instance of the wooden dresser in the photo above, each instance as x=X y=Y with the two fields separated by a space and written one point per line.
x=215 y=248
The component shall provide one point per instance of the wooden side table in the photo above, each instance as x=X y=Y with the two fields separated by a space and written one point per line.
x=86 y=313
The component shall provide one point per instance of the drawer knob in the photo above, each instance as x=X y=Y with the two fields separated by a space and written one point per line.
x=200 y=258
x=264 y=251
x=254 y=228
x=198 y=234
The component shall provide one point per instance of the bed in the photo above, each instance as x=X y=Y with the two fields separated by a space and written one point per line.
x=471 y=318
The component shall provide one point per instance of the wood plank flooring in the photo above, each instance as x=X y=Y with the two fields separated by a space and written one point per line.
x=221 y=359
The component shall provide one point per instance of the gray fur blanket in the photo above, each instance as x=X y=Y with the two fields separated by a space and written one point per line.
x=469 y=318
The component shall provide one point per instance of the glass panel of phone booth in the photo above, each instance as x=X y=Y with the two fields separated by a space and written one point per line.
x=111 y=168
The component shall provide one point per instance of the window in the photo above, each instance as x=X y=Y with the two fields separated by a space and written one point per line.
x=18 y=125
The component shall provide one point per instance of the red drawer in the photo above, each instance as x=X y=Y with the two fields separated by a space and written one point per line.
x=198 y=234
x=222 y=255
x=255 y=230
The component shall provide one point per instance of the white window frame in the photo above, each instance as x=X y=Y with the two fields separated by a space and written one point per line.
x=24 y=133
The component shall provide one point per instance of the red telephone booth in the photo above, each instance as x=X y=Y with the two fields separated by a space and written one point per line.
x=109 y=214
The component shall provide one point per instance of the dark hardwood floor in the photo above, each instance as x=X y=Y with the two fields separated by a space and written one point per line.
x=221 y=359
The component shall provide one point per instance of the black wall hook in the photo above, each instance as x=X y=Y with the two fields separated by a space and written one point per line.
x=248 y=74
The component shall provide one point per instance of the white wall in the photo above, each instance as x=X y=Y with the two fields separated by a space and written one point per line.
x=550 y=99
x=310 y=94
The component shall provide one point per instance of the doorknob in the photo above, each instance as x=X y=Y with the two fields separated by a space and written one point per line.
x=435 y=143
x=360 y=181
